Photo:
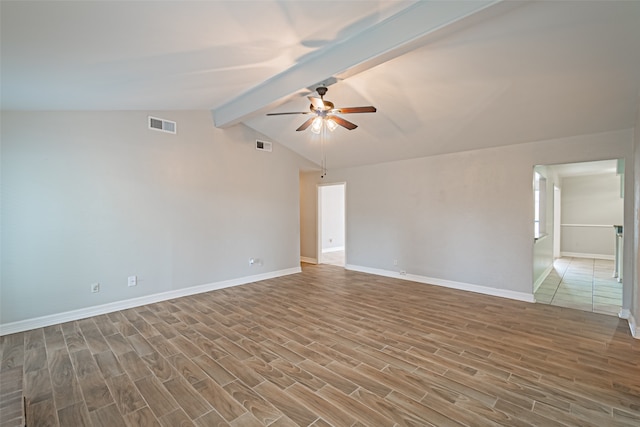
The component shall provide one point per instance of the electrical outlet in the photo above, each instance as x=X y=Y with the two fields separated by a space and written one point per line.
x=132 y=281
x=395 y=262
x=95 y=287
x=251 y=261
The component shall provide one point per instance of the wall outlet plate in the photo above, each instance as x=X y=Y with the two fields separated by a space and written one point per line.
x=132 y=281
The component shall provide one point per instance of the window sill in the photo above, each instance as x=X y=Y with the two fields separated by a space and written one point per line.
x=541 y=237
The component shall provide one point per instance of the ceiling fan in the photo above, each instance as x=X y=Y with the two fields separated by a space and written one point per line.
x=324 y=112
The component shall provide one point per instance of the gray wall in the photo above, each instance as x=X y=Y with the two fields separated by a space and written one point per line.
x=96 y=197
x=588 y=203
x=464 y=217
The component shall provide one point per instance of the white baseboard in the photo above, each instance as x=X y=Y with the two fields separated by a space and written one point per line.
x=581 y=255
x=634 y=327
x=503 y=293
x=625 y=313
x=83 y=313
x=542 y=277
x=308 y=260
x=336 y=249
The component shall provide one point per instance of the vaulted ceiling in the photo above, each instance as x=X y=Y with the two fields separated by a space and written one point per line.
x=445 y=76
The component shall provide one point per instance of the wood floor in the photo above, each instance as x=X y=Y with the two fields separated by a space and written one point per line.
x=326 y=347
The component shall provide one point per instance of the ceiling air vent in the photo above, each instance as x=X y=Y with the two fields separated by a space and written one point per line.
x=263 y=145
x=162 y=125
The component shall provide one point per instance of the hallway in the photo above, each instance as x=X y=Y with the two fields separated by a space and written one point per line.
x=334 y=258
x=583 y=284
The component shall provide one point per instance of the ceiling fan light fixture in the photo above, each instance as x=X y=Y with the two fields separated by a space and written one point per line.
x=316 y=126
x=325 y=111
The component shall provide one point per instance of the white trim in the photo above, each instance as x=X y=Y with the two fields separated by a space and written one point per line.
x=542 y=277
x=557 y=215
x=503 y=293
x=588 y=225
x=542 y=236
x=625 y=313
x=581 y=255
x=336 y=249
x=633 y=326
x=308 y=260
x=54 y=319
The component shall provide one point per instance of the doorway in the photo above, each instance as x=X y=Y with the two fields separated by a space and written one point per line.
x=587 y=202
x=332 y=224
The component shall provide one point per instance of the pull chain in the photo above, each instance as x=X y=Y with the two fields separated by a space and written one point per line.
x=324 y=157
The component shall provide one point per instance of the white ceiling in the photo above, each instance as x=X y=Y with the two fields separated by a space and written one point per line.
x=445 y=76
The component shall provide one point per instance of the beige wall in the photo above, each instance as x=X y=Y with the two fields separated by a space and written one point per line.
x=591 y=202
x=463 y=217
x=97 y=196
x=308 y=214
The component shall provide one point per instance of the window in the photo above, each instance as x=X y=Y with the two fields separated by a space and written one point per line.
x=540 y=205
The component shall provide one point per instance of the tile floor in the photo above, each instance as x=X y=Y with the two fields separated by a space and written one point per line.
x=333 y=258
x=583 y=284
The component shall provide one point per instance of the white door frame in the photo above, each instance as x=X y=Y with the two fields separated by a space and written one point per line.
x=319 y=218
x=557 y=200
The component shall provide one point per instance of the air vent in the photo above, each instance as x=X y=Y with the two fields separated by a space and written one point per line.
x=263 y=145
x=162 y=125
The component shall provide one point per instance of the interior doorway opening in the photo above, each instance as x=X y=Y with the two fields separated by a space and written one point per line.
x=332 y=224
x=574 y=264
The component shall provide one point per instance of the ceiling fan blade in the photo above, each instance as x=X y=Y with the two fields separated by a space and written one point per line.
x=294 y=112
x=317 y=103
x=349 y=110
x=306 y=124
x=342 y=122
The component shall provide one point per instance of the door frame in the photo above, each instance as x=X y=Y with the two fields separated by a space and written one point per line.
x=557 y=216
x=320 y=219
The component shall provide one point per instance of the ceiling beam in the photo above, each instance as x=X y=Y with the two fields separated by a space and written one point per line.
x=407 y=30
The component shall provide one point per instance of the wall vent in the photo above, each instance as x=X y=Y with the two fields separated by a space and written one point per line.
x=263 y=145
x=162 y=125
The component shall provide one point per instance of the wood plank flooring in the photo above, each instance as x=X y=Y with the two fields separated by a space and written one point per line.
x=326 y=347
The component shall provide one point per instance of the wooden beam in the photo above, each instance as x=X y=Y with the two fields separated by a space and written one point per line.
x=407 y=30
